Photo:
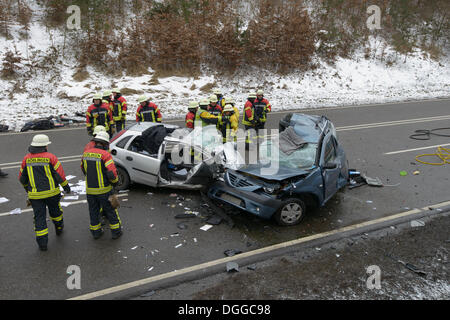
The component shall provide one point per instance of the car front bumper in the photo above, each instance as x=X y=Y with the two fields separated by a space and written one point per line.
x=261 y=205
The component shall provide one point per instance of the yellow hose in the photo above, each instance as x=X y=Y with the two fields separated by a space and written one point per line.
x=442 y=153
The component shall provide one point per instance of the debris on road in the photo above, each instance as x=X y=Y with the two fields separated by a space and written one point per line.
x=134 y=248
x=181 y=226
x=232 y=252
x=417 y=223
x=16 y=211
x=409 y=266
x=214 y=220
x=148 y=294
x=251 y=267
x=232 y=267
x=206 y=227
x=185 y=215
x=71 y=197
x=417 y=172
x=178 y=245
x=3 y=200
x=403 y=173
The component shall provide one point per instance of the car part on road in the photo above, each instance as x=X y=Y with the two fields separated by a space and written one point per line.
x=232 y=267
x=232 y=252
x=424 y=134
x=409 y=266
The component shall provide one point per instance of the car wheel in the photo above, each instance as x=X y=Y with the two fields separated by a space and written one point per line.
x=291 y=212
x=124 y=179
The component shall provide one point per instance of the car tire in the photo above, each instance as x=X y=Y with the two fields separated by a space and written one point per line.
x=291 y=212
x=124 y=179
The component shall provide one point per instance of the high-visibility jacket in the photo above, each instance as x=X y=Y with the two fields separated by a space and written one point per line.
x=119 y=109
x=216 y=110
x=228 y=125
x=41 y=174
x=248 y=115
x=256 y=111
x=100 y=171
x=190 y=119
x=148 y=113
x=261 y=108
x=99 y=115
x=90 y=145
x=205 y=118
x=221 y=102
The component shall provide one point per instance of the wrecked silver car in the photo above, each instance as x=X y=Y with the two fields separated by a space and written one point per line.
x=164 y=155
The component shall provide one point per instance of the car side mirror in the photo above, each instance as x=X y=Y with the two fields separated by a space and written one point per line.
x=329 y=166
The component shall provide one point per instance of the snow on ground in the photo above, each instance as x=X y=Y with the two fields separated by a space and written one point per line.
x=348 y=82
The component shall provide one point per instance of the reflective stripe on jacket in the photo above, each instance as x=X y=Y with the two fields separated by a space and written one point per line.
x=98 y=167
x=148 y=113
x=100 y=115
x=119 y=109
x=41 y=174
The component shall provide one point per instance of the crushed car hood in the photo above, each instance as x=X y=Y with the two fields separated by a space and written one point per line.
x=282 y=174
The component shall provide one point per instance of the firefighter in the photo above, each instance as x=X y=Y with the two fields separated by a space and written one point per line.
x=41 y=174
x=147 y=111
x=107 y=101
x=228 y=124
x=233 y=103
x=248 y=118
x=190 y=116
x=119 y=109
x=98 y=113
x=92 y=142
x=220 y=99
x=262 y=107
x=203 y=117
x=101 y=177
x=213 y=107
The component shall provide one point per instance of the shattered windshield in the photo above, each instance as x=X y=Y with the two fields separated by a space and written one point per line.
x=303 y=157
x=208 y=137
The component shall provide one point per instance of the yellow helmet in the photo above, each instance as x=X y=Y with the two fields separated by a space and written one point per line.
x=117 y=90
x=217 y=92
x=107 y=93
x=252 y=95
x=260 y=92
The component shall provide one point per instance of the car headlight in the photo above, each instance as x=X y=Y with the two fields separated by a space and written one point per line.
x=269 y=190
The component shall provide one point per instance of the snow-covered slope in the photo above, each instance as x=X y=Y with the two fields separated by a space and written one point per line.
x=41 y=92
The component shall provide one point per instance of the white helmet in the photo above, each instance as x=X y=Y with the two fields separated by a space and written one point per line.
x=40 y=140
x=102 y=136
x=98 y=129
x=228 y=108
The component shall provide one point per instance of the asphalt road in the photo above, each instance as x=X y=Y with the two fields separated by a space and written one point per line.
x=150 y=244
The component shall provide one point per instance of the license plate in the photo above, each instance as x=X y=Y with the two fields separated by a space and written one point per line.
x=230 y=198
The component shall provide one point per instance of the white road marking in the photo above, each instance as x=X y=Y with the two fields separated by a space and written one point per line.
x=71 y=204
x=346 y=128
x=208 y=264
x=417 y=149
x=82 y=127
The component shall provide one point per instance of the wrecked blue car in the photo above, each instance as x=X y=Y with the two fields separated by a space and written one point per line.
x=303 y=168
